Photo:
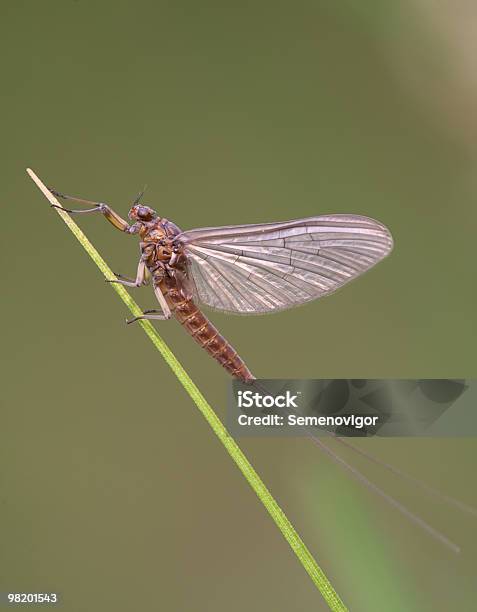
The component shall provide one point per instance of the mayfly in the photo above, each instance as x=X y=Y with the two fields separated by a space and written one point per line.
x=242 y=269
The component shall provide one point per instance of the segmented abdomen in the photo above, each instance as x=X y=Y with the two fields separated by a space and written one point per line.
x=201 y=329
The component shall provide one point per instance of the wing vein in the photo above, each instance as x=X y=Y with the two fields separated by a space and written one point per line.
x=270 y=267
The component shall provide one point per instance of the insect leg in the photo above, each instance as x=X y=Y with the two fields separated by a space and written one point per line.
x=149 y=317
x=116 y=220
x=146 y=281
x=121 y=276
x=141 y=278
x=165 y=312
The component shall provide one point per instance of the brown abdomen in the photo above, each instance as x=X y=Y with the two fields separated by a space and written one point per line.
x=202 y=330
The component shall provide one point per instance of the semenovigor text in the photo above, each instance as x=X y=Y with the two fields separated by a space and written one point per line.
x=293 y=420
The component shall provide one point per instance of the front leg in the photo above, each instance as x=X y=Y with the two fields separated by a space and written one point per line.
x=116 y=220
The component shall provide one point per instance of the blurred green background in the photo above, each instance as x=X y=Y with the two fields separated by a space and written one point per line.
x=114 y=491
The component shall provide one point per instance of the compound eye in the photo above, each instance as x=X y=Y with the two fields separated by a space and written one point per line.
x=143 y=212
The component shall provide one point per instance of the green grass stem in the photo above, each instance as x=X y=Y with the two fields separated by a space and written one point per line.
x=290 y=534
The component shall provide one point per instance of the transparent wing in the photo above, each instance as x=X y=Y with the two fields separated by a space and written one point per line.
x=246 y=269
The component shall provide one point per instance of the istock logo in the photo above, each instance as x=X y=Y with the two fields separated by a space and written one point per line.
x=249 y=399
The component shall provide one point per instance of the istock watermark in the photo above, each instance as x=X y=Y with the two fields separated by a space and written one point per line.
x=353 y=407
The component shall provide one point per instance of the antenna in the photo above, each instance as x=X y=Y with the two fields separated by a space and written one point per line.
x=141 y=193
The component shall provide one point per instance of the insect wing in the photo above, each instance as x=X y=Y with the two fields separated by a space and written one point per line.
x=246 y=269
